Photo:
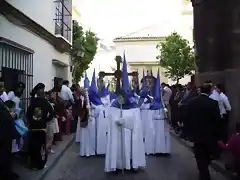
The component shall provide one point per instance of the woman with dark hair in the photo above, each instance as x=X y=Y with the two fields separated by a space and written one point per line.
x=38 y=114
x=60 y=112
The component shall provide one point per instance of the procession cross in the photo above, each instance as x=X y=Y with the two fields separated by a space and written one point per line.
x=117 y=74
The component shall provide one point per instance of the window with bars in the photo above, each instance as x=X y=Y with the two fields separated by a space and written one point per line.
x=63 y=18
x=59 y=14
x=16 y=65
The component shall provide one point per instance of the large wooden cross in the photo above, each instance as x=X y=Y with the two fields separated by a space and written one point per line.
x=117 y=74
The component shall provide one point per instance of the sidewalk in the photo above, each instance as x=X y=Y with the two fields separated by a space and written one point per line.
x=216 y=164
x=60 y=148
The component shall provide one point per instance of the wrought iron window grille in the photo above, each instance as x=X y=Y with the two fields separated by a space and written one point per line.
x=16 y=64
x=63 y=19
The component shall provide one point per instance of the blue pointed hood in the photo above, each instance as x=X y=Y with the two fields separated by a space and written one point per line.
x=113 y=96
x=93 y=92
x=126 y=93
x=157 y=104
x=125 y=80
x=104 y=92
x=86 y=81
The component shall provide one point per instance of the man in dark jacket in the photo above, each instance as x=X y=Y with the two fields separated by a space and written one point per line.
x=203 y=120
x=189 y=94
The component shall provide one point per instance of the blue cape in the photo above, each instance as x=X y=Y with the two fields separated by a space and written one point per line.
x=156 y=104
x=129 y=101
x=113 y=96
x=104 y=92
x=144 y=94
x=94 y=98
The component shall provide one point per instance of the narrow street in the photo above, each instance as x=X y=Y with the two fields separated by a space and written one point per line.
x=180 y=166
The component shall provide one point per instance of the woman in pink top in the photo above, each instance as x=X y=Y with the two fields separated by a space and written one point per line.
x=233 y=146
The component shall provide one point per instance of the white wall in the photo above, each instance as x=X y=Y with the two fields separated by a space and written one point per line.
x=41 y=11
x=138 y=51
x=44 y=52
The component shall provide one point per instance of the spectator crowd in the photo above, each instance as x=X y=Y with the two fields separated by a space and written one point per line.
x=194 y=119
x=31 y=132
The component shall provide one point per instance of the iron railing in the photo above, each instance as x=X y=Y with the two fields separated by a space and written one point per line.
x=16 y=65
x=63 y=20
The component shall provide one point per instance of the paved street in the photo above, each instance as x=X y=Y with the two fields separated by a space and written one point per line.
x=180 y=166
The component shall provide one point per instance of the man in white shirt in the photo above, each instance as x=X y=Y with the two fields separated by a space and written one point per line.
x=66 y=93
x=227 y=106
x=166 y=95
x=215 y=95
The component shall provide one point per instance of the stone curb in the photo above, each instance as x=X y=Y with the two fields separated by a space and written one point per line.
x=56 y=159
x=216 y=165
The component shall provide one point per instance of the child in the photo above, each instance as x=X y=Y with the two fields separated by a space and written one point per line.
x=233 y=146
x=17 y=130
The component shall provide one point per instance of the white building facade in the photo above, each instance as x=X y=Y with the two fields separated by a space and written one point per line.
x=140 y=46
x=35 y=40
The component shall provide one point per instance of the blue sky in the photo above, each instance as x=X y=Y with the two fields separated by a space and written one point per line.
x=112 y=18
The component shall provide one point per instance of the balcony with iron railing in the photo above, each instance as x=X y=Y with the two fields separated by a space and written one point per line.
x=63 y=19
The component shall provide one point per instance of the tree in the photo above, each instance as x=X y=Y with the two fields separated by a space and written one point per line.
x=176 y=56
x=89 y=42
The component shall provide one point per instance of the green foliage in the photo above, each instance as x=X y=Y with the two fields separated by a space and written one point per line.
x=89 y=42
x=176 y=56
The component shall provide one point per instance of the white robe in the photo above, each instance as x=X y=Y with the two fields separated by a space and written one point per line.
x=78 y=134
x=106 y=103
x=161 y=141
x=132 y=143
x=15 y=146
x=100 y=130
x=87 y=138
x=144 y=110
x=148 y=128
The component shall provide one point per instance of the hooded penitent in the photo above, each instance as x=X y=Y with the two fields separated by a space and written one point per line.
x=126 y=93
x=144 y=93
x=157 y=104
x=104 y=91
x=93 y=92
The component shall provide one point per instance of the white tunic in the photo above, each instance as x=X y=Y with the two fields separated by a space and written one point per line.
x=78 y=134
x=100 y=128
x=106 y=103
x=148 y=128
x=161 y=141
x=144 y=110
x=131 y=141
x=87 y=138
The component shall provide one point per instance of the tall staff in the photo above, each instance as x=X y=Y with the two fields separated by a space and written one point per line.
x=121 y=101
